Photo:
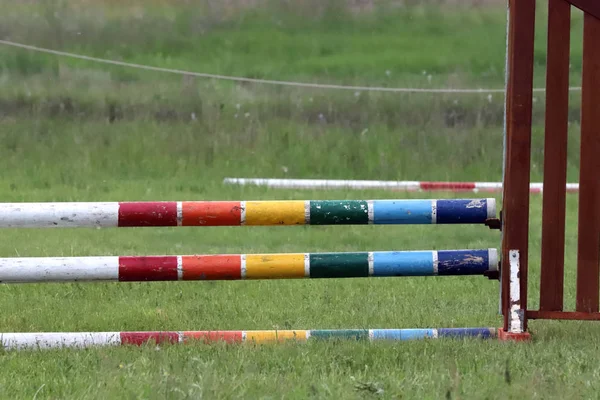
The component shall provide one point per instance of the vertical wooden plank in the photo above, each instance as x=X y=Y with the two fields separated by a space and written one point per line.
x=518 y=154
x=588 y=254
x=555 y=156
x=504 y=279
x=504 y=283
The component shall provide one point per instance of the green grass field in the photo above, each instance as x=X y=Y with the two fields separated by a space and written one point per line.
x=76 y=131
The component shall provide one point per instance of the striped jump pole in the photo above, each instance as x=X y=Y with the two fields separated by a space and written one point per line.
x=250 y=213
x=249 y=266
x=22 y=341
x=408 y=186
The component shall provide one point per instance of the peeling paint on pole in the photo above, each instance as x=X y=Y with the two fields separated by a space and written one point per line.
x=248 y=213
x=248 y=266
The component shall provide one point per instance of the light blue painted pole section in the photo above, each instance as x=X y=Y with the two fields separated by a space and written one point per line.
x=415 y=334
x=402 y=211
x=403 y=263
x=401 y=334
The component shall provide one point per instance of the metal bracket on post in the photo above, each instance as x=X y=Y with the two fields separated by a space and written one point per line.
x=494 y=223
x=516 y=320
x=493 y=275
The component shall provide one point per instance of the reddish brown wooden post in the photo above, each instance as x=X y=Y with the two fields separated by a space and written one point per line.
x=518 y=145
x=588 y=255
x=555 y=156
x=517 y=168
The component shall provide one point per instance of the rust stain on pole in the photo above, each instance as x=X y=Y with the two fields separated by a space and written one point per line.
x=588 y=255
x=555 y=156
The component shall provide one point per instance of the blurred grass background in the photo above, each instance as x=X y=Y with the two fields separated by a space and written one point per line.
x=76 y=131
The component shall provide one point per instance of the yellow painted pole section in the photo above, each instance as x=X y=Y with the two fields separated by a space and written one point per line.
x=274 y=266
x=275 y=336
x=275 y=213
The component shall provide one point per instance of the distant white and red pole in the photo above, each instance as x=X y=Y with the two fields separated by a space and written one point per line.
x=409 y=186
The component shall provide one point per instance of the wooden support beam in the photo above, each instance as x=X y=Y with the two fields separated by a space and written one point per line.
x=518 y=145
x=555 y=156
x=588 y=254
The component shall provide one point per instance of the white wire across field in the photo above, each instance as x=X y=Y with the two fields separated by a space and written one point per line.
x=255 y=80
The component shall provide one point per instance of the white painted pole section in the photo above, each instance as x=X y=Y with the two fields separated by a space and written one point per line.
x=19 y=341
x=491 y=208
x=323 y=183
x=493 y=259
x=58 y=269
x=47 y=215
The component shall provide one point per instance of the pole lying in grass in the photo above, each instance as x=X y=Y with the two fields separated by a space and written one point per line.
x=408 y=186
x=249 y=266
x=22 y=341
x=249 y=213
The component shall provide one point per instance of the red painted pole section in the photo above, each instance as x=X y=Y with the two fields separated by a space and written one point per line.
x=451 y=186
x=152 y=268
x=141 y=338
x=148 y=214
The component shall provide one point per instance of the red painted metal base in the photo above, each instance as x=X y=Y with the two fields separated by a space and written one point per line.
x=514 y=337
